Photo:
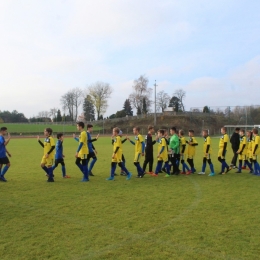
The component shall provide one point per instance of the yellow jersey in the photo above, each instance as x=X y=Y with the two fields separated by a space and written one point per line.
x=207 y=141
x=138 y=143
x=192 y=146
x=117 y=143
x=223 y=139
x=83 y=139
x=243 y=143
x=164 y=155
x=249 y=145
x=255 y=142
x=48 y=143
x=183 y=148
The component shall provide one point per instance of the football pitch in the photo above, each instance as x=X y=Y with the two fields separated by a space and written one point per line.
x=181 y=217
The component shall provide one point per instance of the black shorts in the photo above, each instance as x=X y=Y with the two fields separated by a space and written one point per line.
x=57 y=161
x=4 y=160
x=92 y=155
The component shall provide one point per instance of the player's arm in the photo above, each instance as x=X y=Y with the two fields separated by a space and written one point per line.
x=8 y=153
x=224 y=149
x=256 y=146
x=124 y=140
x=75 y=138
x=40 y=142
x=132 y=142
x=7 y=140
x=208 y=145
x=162 y=149
x=52 y=146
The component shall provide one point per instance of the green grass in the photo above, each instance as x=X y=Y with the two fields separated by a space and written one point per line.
x=34 y=128
x=182 y=217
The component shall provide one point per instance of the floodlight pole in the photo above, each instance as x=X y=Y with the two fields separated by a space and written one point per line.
x=155 y=103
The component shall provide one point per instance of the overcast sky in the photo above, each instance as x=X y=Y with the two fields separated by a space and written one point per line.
x=211 y=49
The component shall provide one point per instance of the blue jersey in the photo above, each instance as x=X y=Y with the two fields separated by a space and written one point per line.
x=90 y=145
x=2 y=147
x=59 y=150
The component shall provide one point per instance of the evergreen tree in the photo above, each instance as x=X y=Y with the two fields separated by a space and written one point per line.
x=59 y=117
x=175 y=103
x=128 y=108
x=88 y=109
x=206 y=109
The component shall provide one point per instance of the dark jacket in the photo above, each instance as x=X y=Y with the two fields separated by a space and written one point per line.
x=149 y=144
x=235 y=141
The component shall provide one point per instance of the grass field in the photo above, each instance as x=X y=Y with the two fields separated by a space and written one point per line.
x=182 y=217
x=35 y=128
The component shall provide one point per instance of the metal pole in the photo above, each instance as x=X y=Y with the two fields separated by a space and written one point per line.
x=103 y=125
x=155 y=103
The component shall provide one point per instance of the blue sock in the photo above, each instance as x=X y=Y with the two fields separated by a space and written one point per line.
x=85 y=171
x=50 y=172
x=113 y=169
x=45 y=169
x=92 y=164
x=211 y=167
x=80 y=167
x=167 y=167
x=158 y=167
x=240 y=166
x=63 y=169
x=249 y=165
x=186 y=167
x=4 y=170
x=222 y=166
x=183 y=168
x=203 y=167
x=124 y=169
x=139 y=168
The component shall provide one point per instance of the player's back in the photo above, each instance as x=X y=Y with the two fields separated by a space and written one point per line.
x=207 y=141
x=183 y=144
x=191 y=147
x=2 y=147
x=223 y=139
x=83 y=139
x=59 y=149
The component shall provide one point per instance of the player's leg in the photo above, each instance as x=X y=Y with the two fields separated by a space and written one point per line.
x=113 y=168
x=151 y=164
x=122 y=166
x=146 y=161
x=139 y=169
x=204 y=164
x=248 y=162
x=49 y=163
x=240 y=161
x=78 y=163
x=43 y=165
x=211 y=166
x=256 y=166
x=91 y=166
x=63 y=169
x=167 y=168
x=5 y=161
x=56 y=163
x=158 y=168
x=85 y=161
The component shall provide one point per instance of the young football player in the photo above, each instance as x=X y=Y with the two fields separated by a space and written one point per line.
x=183 y=153
x=59 y=156
x=224 y=140
x=3 y=152
x=117 y=156
x=162 y=155
x=139 y=150
x=48 y=153
x=249 y=160
x=82 y=151
x=192 y=143
x=207 y=150
x=174 y=150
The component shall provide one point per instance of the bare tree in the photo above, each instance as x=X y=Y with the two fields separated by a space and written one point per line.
x=141 y=94
x=180 y=94
x=53 y=113
x=162 y=100
x=99 y=93
x=71 y=102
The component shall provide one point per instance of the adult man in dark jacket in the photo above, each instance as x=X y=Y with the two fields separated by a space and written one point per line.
x=235 y=141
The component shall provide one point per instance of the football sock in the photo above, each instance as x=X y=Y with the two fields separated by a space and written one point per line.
x=167 y=167
x=186 y=166
x=45 y=169
x=113 y=169
x=85 y=171
x=249 y=165
x=5 y=169
x=203 y=167
x=211 y=167
x=63 y=169
x=240 y=165
x=80 y=167
x=92 y=164
x=158 y=167
x=50 y=171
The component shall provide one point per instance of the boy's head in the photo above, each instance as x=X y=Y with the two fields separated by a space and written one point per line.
x=161 y=132
x=48 y=131
x=237 y=129
x=191 y=133
x=242 y=132
x=173 y=130
x=181 y=133
x=59 y=136
x=3 y=130
x=116 y=131
x=136 y=130
x=151 y=129
x=255 y=131
x=223 y=130
x=80 y=126
x=205 y=133
x=248 y=133
x=89 y=128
